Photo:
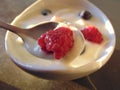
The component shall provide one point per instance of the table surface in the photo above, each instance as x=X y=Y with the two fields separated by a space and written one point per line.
x=13 y=78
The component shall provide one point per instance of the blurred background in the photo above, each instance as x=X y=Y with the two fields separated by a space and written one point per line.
x=13 y=78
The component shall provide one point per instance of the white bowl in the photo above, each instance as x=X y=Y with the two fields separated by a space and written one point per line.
x=58 y=70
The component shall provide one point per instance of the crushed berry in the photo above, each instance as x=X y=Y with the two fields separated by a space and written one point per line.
x=92 y=34
x=85 y=15
x=59 y=41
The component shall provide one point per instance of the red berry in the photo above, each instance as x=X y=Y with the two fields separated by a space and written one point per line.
x=58 y=41
x=41 y=42
x=92 y=34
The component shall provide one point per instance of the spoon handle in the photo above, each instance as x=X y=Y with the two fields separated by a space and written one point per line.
x=11 y=28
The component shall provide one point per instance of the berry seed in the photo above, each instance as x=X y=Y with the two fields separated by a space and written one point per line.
x=85 y=15
x=45 y=12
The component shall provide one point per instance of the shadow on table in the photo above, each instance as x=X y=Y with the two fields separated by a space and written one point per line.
x=107 y=78
x=86 y=82
x=4 y=86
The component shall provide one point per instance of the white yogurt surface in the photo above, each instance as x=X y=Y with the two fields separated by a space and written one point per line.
x=73 y=59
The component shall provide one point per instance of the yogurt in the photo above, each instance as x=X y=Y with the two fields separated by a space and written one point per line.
x=74 y=59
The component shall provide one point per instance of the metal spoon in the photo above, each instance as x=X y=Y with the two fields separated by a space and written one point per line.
x=33 y=32
x=31 y=35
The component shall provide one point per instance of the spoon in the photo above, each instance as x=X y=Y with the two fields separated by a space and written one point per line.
x=33 y=32
x=31 y=35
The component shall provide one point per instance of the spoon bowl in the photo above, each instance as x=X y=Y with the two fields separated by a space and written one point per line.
x=31 y=35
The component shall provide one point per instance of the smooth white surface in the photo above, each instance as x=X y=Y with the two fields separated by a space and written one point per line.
x=32 y=16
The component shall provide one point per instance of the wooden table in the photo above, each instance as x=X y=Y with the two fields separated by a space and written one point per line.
x=13 y=78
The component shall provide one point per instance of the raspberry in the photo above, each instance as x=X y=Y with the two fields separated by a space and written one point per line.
x=59 y=41
x=92 y=34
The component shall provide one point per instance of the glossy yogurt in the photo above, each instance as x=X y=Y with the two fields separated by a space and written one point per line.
x=73 y=59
